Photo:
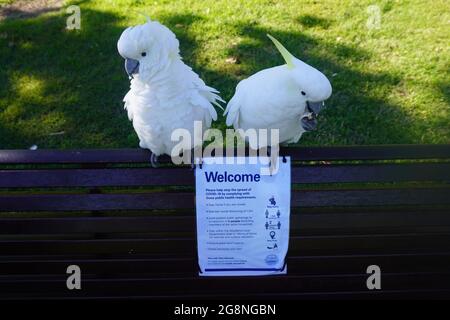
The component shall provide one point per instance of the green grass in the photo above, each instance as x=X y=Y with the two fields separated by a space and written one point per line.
x=391 y=85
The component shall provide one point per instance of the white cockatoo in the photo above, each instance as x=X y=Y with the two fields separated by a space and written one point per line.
x=165 y=93
x=287 y=98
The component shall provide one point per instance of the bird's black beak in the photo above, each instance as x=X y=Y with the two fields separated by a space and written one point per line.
x=309 y=119
x=131 y=67
x=315 y=107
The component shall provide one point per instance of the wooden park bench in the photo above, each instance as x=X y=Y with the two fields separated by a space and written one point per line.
x=131 y=228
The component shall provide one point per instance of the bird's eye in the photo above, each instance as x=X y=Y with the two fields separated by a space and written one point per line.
x=143 y=54
x=303 y=93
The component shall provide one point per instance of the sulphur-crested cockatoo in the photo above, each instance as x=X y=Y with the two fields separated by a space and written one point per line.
x=287 y=98
x=165 y=93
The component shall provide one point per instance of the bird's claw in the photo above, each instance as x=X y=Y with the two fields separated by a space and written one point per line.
x=309 y=124
x=193 y=164
x=309 y=118
x=272 y=159
x=154 y=160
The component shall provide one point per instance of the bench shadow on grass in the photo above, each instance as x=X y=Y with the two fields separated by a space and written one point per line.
x=82 y=69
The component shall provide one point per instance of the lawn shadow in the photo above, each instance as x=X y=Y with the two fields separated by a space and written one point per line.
x=310 y=21
x=190 y=46
x=444 y=89
x=355 y=115
x=78 y=83
x=181 y=25
x=79 y=90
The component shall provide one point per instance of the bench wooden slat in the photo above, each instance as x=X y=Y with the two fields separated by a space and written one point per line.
x=184 y=176
x=299 y=245
x=374 y=152
x=225 y=285
x=149 y=201
x=298 y=153
x=302 y=223
x=334 y=234
x=160 y=267
x=409 y=294
x=371 y=173
x=95 y=177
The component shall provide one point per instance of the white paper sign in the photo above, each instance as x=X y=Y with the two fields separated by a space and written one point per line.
x=242 y=218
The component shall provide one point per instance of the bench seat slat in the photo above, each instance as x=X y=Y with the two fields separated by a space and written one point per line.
x=318 y=245
x=304 y=265
x=301 y=223
x=149 y=201
x=376 y=152
x=95 y=177
x=225 y=285
x=185 y=176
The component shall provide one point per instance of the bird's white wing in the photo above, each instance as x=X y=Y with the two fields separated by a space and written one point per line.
x=211 y=94
x=197 y=99
x=206 y=97
x=127 y=105
x=136 y=96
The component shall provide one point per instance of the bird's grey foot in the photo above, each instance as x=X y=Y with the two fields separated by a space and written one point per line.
x=196 y=157
x=193 y=164
x=192 y=160
x=309 y=121
x=154 y=160
x=272 y=154
x=269 y=154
